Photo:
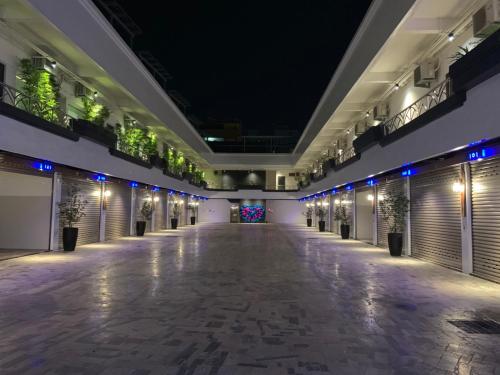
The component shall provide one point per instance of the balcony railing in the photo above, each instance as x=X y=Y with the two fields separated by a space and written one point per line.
x=16 y=98
x=346 y=155
x=435 y=96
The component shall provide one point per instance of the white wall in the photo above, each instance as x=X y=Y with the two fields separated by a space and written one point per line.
x=214 y=211
x=285 y=211
x=25 y=203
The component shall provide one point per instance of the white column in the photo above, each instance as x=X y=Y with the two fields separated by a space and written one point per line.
x=153 y=204
x=467 y=260
x=408 y=217
x=354 y=224
x=133 y=197
x=374 y=217
x=102 y=220
x=54 y=212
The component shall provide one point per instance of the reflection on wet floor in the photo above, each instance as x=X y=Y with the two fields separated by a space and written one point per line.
x=241 y=299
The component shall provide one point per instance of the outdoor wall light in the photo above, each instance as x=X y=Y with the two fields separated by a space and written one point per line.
x=336 y=201
x=95 y=94
x=325 y=204
x=107 y=193
x=458 y=187
x=156 y=199
x=370 y=197
x=53 y=64
x=367 y=114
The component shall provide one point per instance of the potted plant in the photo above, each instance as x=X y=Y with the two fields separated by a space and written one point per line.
x=394 y=208
x=341 y=215
x=192 y=209
x=308 y=214
x=71 y=211
x=92 y=123
x=146 y=214
x=176 y=211
x=321 y=211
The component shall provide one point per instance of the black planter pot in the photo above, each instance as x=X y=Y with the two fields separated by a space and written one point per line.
x=157 y=161
x=321 y=226
x=395 y=241
x=95 y=132
x=70 y=235
x=140 y=228
x=173 y=222
x=309 y=222
x=193 y=220
x=344 y=231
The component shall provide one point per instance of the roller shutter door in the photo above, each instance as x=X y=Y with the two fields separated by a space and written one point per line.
x=88 y=227
x=486 y=219
x=436 y=218
x=384 y=188
x=160 y=210
x=141 y=196
x=117 y=210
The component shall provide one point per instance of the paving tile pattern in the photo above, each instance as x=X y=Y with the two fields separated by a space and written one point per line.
x=241 y=299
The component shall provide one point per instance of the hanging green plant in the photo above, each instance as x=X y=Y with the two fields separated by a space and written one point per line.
x=42 y=92
x=137 y=142
x=95 y=112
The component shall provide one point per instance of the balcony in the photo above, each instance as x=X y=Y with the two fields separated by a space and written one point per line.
x=16 y=104
x=430 y=100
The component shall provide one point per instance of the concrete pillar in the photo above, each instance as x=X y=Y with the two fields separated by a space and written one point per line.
x=466 y=202
x=153 y=218
x=354 y=225
x=408 y=217
x=54 y=212
x=133 y=198
x=102 y=220
x=374 y=217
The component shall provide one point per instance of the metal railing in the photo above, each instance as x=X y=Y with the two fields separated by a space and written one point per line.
x=438 y=94
x=16 y=98
x=346 y=155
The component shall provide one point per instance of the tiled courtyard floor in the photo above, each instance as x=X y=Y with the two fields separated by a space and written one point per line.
x=240 y=299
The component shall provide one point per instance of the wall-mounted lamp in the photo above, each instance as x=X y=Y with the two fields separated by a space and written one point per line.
x=370 y=197
x=458 y=187
x=156 y=199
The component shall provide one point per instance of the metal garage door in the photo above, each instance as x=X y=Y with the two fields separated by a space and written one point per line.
x=384 y=188
x=436 y=217
x=117 y=210
x=88 y=227
x=347 y=201
x=160 y=210
x=486 y=219
x=142 y=195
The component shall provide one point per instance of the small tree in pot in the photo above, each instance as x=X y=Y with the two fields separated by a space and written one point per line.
x=341 y=215
x=192 y=209
x=176 y=212
x=321 y=211
x=308 y=213
x=71 y=211
x=394 y=208
x=146 y=214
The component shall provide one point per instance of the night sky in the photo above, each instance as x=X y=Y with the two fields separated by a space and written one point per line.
x=265 y=63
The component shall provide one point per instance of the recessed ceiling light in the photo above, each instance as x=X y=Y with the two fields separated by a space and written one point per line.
x=451 y=37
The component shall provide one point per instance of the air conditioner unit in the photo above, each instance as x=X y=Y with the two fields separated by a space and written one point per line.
x=487 y=19
x=381 y=112
x=360 y=127
x=424 y=74
x=42 y=63
x=82 y=91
